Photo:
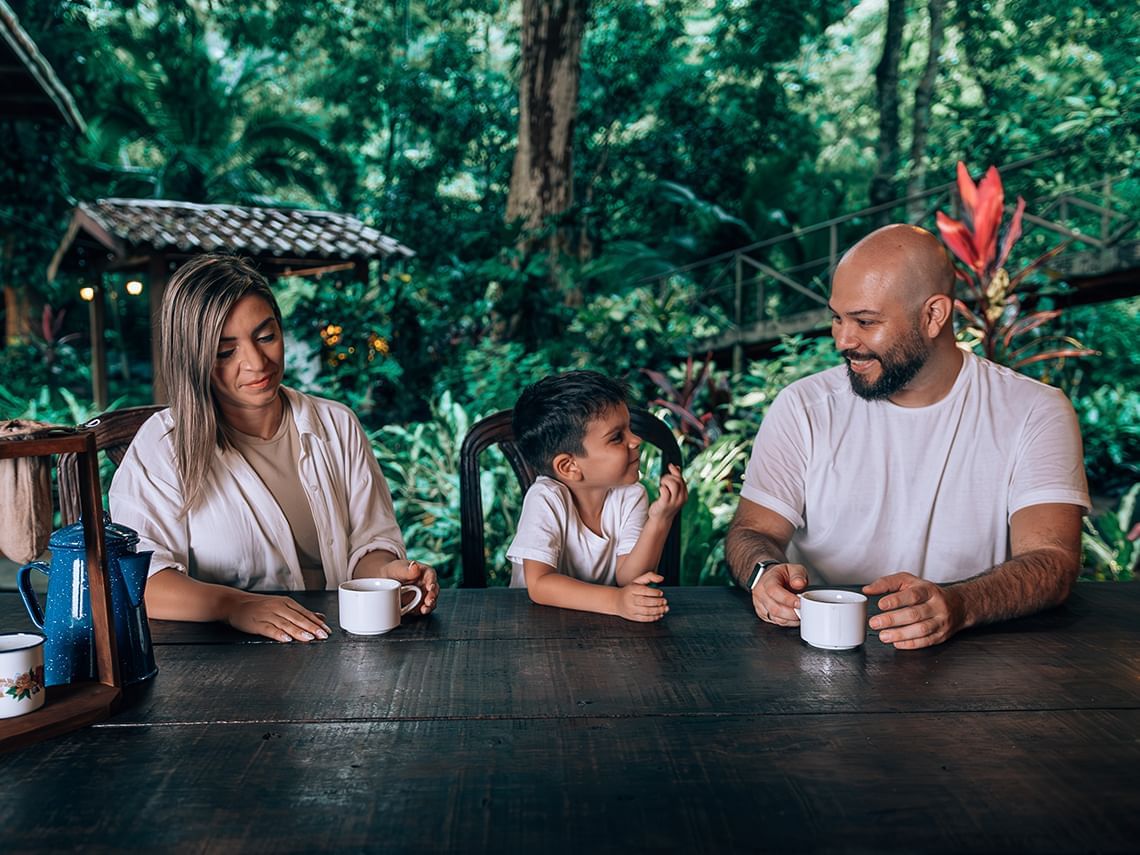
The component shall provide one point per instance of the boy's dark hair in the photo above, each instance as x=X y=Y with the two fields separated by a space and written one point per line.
x=551 y=416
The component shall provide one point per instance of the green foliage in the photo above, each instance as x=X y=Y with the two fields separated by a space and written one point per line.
x=711 y=476
x=794 y=358
x=421 y=464
x=491 y=375
x=1108 y=551
x=344 y=343
x=1110 y=429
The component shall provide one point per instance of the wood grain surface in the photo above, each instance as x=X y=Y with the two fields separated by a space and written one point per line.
x=498 y=726
x=1038 y=782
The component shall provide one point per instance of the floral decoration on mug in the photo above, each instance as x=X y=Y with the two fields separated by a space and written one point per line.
x=23 y=686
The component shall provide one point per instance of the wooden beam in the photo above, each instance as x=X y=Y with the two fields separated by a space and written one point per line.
x=96 y=309
x=159 y=273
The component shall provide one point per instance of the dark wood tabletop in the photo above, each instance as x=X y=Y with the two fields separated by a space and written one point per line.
x=501 y=726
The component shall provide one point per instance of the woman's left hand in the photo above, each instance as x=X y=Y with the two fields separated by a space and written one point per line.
x=416 y=573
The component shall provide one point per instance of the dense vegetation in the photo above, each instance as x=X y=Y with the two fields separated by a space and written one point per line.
x=700 y=126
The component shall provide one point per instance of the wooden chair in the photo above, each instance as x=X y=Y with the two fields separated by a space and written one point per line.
x=496 y=430
x=113 y=432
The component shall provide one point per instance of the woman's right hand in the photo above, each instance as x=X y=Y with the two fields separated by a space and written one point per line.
x=279 y=618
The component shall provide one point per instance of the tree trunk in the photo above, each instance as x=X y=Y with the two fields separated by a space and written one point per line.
x=887 y=99
x=542 y=176
x=17 y=306
x=923 y=95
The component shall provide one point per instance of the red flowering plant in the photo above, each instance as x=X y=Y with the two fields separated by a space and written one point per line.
x=995 y=316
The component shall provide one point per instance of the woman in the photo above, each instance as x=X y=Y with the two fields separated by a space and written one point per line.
x=244 y=485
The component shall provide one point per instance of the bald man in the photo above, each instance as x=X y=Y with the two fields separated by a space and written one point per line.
x=950 y=485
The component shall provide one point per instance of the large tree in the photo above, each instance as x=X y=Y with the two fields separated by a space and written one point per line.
x=887 y=98
x=542 y=179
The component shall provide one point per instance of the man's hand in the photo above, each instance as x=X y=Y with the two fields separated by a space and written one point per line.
x=279 y=618
x=776 y=595
x=416 y=573
x=673 y=495
x=915 y=613
x=637 y=601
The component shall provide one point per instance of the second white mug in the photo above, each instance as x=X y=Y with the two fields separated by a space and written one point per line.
x=833 y=619
x=372 y=606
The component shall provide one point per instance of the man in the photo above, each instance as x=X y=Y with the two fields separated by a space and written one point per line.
x=951 y=486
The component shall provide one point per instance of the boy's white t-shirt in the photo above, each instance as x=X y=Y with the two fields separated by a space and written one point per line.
x=551 y=531
x=873 y=488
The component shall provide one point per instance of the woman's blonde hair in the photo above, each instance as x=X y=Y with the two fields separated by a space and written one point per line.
x=198 y=299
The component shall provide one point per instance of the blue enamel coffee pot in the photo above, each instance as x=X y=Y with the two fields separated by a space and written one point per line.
x=69 y=654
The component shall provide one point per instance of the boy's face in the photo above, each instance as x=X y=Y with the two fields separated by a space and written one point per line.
x=613 y=451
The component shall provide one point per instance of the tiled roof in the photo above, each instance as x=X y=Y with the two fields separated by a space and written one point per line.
x=262 y=232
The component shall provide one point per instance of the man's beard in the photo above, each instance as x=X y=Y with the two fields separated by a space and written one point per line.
x=899 y=366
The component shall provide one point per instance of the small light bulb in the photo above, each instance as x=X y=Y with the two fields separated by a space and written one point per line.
x=134 y=287
x=87 y=293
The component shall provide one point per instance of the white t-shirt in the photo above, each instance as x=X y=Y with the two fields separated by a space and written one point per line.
x=238 y=535
x=551 y=531
x=874 y=488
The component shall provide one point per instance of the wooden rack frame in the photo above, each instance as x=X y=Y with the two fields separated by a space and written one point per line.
x=71 y=707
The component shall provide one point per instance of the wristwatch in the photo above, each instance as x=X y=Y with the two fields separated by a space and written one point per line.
x=759 y=569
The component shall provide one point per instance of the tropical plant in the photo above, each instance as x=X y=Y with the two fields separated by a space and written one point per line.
x=1110 y=431
x=699 y=429
x=710 y=476
x=421 y=464
x=1110 y=541
x=995 y=315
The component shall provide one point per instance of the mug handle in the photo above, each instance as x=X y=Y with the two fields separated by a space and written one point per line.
x=415 y=600
x=28 y=594
x=799 y=617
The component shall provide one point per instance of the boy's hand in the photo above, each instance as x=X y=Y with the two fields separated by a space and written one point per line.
x=673 y=494
x=637 y=601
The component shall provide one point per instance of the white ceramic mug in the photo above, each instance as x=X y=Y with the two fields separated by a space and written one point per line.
x=833 y=619
x=372 y=606
x=21 y=673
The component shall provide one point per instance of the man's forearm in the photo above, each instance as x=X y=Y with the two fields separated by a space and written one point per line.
x=1023 y=585
x=744 y=547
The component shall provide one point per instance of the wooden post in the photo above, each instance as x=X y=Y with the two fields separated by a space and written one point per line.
x=737 y=350
x=157 y=274
x=98 y=347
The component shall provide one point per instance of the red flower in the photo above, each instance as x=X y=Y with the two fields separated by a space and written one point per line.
x=974 y=238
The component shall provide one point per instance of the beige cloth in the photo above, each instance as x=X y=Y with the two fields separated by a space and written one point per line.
x=25 y=497
x=275 y=462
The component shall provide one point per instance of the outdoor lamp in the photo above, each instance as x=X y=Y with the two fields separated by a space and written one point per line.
x=87 y=293
x=134 y=287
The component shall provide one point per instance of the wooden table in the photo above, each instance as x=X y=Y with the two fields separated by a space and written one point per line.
x=497 y=725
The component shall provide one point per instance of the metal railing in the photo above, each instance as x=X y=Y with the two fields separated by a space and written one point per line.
x=760 y=292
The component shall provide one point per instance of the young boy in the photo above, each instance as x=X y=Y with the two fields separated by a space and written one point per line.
x=586 y=524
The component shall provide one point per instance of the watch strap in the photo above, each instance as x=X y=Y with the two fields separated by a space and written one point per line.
x=759 y=569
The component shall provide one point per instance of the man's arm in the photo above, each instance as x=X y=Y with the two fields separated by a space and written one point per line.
x=759 y=534
x=1046 y=545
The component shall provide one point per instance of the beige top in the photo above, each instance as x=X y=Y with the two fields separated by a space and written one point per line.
x=275 y=462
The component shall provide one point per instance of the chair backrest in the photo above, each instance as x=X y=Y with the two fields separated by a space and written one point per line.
x=496 y=429
x=113 y=433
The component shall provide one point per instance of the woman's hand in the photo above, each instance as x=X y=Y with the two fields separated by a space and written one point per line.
x=279 y=618
x=419 y=574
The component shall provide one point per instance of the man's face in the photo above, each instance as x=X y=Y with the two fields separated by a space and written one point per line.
x=876 y=376
x=881 y=340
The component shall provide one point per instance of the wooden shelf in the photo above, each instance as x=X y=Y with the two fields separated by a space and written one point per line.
x=68 y=708
x=65 y=708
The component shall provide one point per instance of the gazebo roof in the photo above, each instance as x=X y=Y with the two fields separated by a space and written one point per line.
x=129 y=231
x=29 y=88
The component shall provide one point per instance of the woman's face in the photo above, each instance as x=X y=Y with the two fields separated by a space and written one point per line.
x=250 y=358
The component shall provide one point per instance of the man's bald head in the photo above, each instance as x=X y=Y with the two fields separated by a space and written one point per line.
x=904 y=263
